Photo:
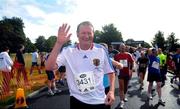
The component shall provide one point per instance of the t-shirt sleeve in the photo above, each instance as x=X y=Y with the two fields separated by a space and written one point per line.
x=108 y=68
x=61 y=59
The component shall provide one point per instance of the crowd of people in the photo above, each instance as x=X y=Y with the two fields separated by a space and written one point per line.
x=17 y=68
x=90 y=68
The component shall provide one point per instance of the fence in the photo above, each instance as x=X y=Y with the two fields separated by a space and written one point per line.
x=9 y=83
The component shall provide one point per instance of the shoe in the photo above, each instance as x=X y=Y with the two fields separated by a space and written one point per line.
x=125 y=99
x=57 y=91
x=150 y=97
x=121 y=105
x=50 y=92
x=161 y=102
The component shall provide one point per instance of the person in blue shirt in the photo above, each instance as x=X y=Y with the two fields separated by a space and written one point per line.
x=154 y=75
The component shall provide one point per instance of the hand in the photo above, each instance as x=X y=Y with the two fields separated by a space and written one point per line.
x=63 y=35
x=110 y=98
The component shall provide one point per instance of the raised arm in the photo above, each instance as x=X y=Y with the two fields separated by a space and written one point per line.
x=62 y=38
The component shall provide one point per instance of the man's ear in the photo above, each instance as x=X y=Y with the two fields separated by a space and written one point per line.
x=77 y=34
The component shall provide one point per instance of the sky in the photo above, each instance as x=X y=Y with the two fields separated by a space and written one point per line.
x=135 y=19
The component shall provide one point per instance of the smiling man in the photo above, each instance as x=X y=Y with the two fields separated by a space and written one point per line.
x=86 y=63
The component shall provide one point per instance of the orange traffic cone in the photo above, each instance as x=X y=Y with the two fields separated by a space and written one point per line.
x=20 y=99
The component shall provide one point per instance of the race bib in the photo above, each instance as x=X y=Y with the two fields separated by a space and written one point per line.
x=85 y=82
x=155 y=65
x=124 y=62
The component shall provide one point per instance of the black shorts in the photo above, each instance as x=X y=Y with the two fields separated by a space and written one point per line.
x=34 y=64
x=124 y=77
x=50 y=75
x=154 y=77
x=62 y=69
x=142 y=70
x=76 y=104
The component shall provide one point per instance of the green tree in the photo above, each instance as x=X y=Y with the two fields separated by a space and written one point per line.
x=159 y=40
x=11 y=32
x=41 y=44
x=29 y=46
x=108 y=34
x=50 y=42
x=171 y=42
x=97 y=36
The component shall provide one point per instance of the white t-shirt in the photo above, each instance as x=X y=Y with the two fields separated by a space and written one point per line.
x=35 y=57
x=94 y=60
x=5 y=61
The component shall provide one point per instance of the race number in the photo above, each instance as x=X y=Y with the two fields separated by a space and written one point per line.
x=85 y=82
x=155 y=65
x=124 y=62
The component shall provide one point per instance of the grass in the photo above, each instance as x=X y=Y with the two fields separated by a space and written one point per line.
x=36 y=81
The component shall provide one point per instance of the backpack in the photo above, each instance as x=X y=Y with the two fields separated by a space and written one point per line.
x=4 y=66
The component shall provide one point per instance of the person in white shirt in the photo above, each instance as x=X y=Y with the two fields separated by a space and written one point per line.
x=35 y=57
x=86 y=63
x=6 y=72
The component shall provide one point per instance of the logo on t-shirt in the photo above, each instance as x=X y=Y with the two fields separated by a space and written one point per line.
x=96 y=62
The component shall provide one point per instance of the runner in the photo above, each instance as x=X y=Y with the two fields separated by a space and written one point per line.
x=128 y=62
x=142 y=65
x=154 y=75
x=35 y=57
x=86 y=63
x=176 y=59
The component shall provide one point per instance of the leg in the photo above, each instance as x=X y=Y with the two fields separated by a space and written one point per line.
x=6 y=82
x=149 y=89
x=159 y=89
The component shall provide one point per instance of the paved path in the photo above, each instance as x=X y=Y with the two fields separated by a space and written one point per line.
x=136 y=99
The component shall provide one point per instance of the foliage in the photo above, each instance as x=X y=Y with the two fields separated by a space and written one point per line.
x=29 y=46
x=11 y=32
x=172 y=42
x=41 y=43
x=159 y=40
x=108 y=34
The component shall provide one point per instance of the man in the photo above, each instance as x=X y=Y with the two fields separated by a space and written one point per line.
x=176 y=59
x=163 y=66
x=142 y=65
x=112 y=51
x=154 y=75
x=35 y=57
x=125 y=74
x=86 y=63
x=6 y=64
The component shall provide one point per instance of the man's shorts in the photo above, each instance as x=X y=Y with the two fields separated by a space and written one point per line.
x=34 y=64
x=62 y=69
x=50 y=75
x=123 y=76
x=142 y=70
x=154 y=77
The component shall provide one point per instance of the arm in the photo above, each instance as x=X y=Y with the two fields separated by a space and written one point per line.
x=63 y=37
x=110 y=96
x=117 y=64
